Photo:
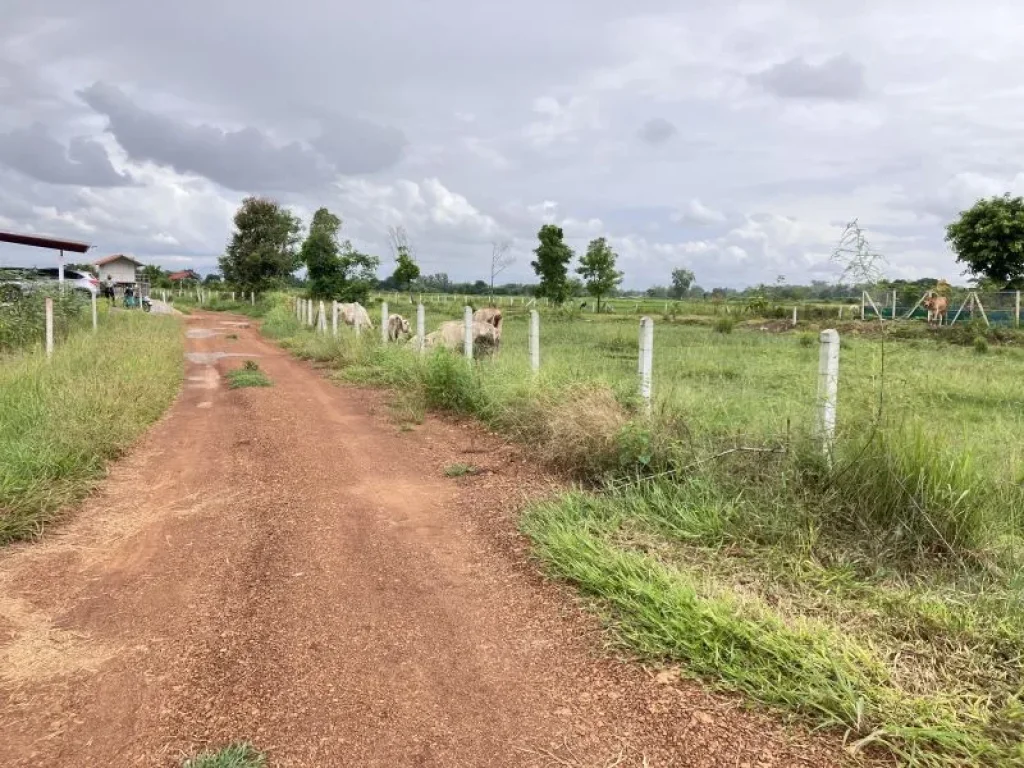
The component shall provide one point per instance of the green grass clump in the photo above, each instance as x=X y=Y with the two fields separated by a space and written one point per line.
x=724 y=324
x=240 y=755
x=460 y=470
x=62 y=420
x=249 y=375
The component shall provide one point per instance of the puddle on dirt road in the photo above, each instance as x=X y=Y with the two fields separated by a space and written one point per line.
x=209 y=358
x=201 y=333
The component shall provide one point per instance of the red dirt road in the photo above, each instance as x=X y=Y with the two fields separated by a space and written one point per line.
x=284 y=565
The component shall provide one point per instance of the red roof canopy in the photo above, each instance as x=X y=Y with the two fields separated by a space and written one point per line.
x=42 y=241
x=185 y=274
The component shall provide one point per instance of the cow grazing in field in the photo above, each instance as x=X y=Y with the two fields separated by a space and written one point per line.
x=490 y=315
x=936 y=306
x=451 y=335
x=398 y=326
x=355 y=315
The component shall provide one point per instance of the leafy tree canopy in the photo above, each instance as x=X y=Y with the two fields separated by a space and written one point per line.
x=335 y=269
x=682 y=279
x=988 y=240
x=597 y=268
x=262 y=249
x=552 y=264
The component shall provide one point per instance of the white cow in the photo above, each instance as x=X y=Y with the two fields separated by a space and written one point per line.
x=397 y=326
x=355 y=315
x=489 y=315
x=451 y=335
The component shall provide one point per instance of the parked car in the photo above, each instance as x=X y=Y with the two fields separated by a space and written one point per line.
x=27 y=279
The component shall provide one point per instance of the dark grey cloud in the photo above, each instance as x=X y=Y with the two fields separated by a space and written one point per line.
x=656 y=131
x=246 y=159
x=35 y=153
x=840 y=78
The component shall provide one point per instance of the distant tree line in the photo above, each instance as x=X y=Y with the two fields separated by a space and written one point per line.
x=267 y=248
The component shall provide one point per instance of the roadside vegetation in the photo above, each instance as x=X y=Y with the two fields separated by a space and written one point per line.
x=62 y=420
x=23 y=317
x=249 y=375
x=240 y=755
x=881 y=596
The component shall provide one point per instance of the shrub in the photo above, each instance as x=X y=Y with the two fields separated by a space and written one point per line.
x=724 y=324
x=980 y=345
x=449 y=384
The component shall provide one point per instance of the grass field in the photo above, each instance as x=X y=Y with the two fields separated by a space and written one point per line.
x=62 y=420
x=881 y=596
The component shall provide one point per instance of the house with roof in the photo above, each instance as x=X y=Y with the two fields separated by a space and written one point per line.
x=118 y=269
x=183 y=276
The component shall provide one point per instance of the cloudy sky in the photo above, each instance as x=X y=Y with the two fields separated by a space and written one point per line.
x=734 y=138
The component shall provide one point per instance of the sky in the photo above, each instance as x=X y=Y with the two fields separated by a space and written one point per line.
x=731 y=138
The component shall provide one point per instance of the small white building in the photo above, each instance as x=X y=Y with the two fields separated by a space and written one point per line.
x=119 y=268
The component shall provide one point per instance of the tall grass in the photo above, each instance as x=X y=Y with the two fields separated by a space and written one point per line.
x=62 y=420
x=23 y=317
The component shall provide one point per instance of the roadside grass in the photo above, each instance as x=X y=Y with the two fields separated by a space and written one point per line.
x=249 y=375
x=240 y=755
x=460 y=470
x=880 y=595
x=62 y=420
x=925 y=663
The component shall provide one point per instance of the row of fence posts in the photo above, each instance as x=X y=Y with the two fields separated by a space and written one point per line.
x=828 y=358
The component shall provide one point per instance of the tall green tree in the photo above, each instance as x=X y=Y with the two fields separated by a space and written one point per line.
x=406 y=270
x=682 y=279
x=988 y=239
x=334 y=268
x=552 y=264
x=597 y=268
x=263 y=248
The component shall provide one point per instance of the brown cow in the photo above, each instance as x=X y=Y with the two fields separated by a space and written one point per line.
x=936 y=306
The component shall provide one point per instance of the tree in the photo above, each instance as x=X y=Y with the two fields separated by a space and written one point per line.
x=336 y=270
x=155 y=276
x=501 y=259
x=988 y=239
x=320 y=254
x=682 y=279
x=406 y=271
x=406 y=268
x=552 y=264
x=597 y=268
x=262 y=249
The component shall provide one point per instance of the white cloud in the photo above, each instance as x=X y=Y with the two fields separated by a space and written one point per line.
x=695 y=212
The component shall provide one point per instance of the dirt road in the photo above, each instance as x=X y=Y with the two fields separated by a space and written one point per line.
x=284 y=565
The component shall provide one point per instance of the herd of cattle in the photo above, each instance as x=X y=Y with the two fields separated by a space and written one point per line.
x=485 y=328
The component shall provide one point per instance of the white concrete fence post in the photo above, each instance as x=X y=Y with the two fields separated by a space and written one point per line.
x=828 y=388
x=467 y=333
x=95 y=320
x=232 y=295
x=334 y=317
x=384 y=321
x=252 y=298
x=646 y=360
x=421 y=328
x=309 y=312
x=1016 y=310
x=322 y=325
x=535 y=341
x=794 y=317
x=894 y=305
x=49 y=327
